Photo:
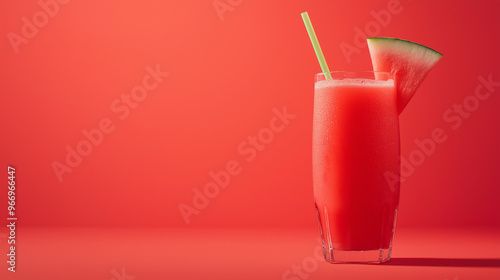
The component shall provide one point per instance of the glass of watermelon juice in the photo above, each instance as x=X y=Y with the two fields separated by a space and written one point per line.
x=355 y=144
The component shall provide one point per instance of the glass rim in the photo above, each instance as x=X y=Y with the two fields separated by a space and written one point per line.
x=354 y=71
x=341 y=75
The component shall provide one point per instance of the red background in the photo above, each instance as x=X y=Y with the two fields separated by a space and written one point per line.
x=226 y=75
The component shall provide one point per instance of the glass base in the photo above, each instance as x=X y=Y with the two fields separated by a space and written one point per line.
x=369 y=256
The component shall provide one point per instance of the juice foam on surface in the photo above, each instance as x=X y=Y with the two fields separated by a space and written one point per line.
x=354 y=82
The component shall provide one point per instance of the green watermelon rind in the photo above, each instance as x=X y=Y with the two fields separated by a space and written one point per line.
x=405 y=41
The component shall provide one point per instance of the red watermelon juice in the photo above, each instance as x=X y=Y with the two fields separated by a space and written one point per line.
x=355 y=150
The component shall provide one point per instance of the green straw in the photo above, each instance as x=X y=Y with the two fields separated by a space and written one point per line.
x=316 y=46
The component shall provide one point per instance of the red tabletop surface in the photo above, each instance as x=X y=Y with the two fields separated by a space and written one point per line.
x=228 y=253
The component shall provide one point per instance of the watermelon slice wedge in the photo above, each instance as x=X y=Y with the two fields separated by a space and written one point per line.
x=409 y=62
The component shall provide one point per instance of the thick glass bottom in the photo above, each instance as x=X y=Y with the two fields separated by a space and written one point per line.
x=369 y=256
x=370 y=240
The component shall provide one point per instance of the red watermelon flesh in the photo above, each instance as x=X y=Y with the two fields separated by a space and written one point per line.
x=409 y=62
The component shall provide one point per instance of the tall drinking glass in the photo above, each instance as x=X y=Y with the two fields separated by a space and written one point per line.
x=356 y=165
